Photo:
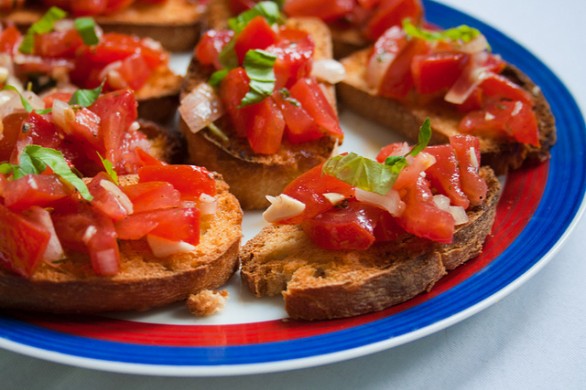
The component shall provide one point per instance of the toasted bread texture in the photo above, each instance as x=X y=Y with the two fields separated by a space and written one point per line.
x=252 y=176
x=144 y=281
x=159 y=97
x=405 y=118
x=319 y=284
x=174 y=23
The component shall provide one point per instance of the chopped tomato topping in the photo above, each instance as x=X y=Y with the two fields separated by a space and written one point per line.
x=153 y=195
x=189 y=180
x=467 y=149
x=9 y=37
x=437 y=72
x=31 y=190
x=398 y=79
x=210 y=46
x=233 y=88
x=444 y=175
x=265 y=126
x=391 y=13
x=105 y=200
x=325 y=10
x=257 y=34
x=294 y=50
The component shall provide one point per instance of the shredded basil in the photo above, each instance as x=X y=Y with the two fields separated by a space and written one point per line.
x=258 y=65
x=86 y=27
x=461 y=33
x=217 y=77
x=42 y=26
x=25 y=103
x=267 y=9
x=86 y=97
x=109 y=168
x=423 y=138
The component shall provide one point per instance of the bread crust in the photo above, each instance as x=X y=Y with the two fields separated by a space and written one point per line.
x=175 y=23
x=406 y=118
x=252 y=176
x=144 y=282
x=319 y=284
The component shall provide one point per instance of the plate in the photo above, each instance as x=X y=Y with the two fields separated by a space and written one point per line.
x=538 y=209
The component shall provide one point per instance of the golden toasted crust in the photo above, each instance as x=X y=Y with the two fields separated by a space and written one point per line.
x=175 y=23
x=144 y=282
x=404 y=118
x=252 y=176
x=321 y=284
x=159 y=97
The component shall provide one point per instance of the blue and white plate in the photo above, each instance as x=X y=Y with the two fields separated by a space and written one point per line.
x=538 y=209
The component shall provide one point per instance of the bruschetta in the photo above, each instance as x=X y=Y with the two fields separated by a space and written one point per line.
x=173 y=23
x=255 y=106
x=452 y=77
x=65 y=54
x=77 y=237
x=356 y=235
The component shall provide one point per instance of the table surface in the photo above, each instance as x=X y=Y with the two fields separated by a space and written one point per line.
x=534 y=338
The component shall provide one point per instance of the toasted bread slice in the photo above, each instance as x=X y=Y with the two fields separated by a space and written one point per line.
x=174 y=23
x=159 y=97
x=320 y=284
x=501 y=155
x=144 y=282
x=252 y=176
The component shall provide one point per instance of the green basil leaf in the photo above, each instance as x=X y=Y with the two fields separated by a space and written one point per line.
x=86 y=27
x=25 y=103
x=227 y=57
x=258 y=65
x=267 y=9
x=86 y=97
x=109 y=169
x=217 y=77
x=42 y=26
x=461 y=33
x=362 y=172
x=422 y=138
x=39 y=158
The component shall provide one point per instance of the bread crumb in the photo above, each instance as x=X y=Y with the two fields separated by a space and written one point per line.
x=206 y=302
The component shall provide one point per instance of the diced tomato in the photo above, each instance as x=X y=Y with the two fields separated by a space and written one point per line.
x=325 y=10
x=368 y=4
x=57 y=95
x=266 y=126
x=513 y=119
x=387 y=228
x=438 y=71
x=398 y=79
x=9 y=37
x=497 y=87
x=12 y=127
x=391 y=13
x=300 y=125
x=394 y=149
x=385 y=50
x=309 y=189
x=189 y=180
x=40 y=130
x=145 y=158
x=31 y=190
x=85 y=125
x=58 y=44
x=232 y=90
x=23 y=243
x=135 y=71
x=444 y=175
x=210 y=46
x=467 y=149
x=257 y=34
x=103 y=248
x=313 y=100
x=344 y=228
x=153 y=195
x=104 y=200
x=177 y=224
x=422 y=217
x=239 y=6
x=294 y=50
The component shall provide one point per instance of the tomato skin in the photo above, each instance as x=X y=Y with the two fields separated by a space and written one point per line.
x=12 y=127
x=232 y=90
x=325 y=10
x=189 y=180
x=31 y=190
x=398 y=80
x=23 y=243
x=300 y=125
x=512 y=119
x=422 y=218
x=437 y=72
x=104 y=200
x=294 y=50
x=58 y=44
x=309 y=189
x=144 y=158
x=391 y=13
x=9 y=37
x=444 y=175
x=467 y=149
x=210 y=46
x=498 y=87
x=154 y=195
x=265 y=126
x=344 y=228
x=388 y=229
x=313 y=100
x=257 y=34
x=239 y=6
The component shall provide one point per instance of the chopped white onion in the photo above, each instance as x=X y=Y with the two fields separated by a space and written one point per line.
x=473 y=158
x=62 y=114
x=458 y=212
x=162 y=247
x=207 y=204
x=117 y=193
x=471 y=77
x=477 y=45
x=390 y=202
x=42 y=217
x=282 y=207
x=334 y=198
x=107 y=261
x=380 y=61
x=201 y=107
x=328 y=70
x=89 y=233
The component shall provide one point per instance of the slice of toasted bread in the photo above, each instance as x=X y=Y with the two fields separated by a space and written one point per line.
x=144 y=282
x=174 y=23
x=501 y=155
x=252 y=176
x=159 y=97
x=320 y=284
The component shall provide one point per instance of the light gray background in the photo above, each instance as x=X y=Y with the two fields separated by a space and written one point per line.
x=533 y=339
